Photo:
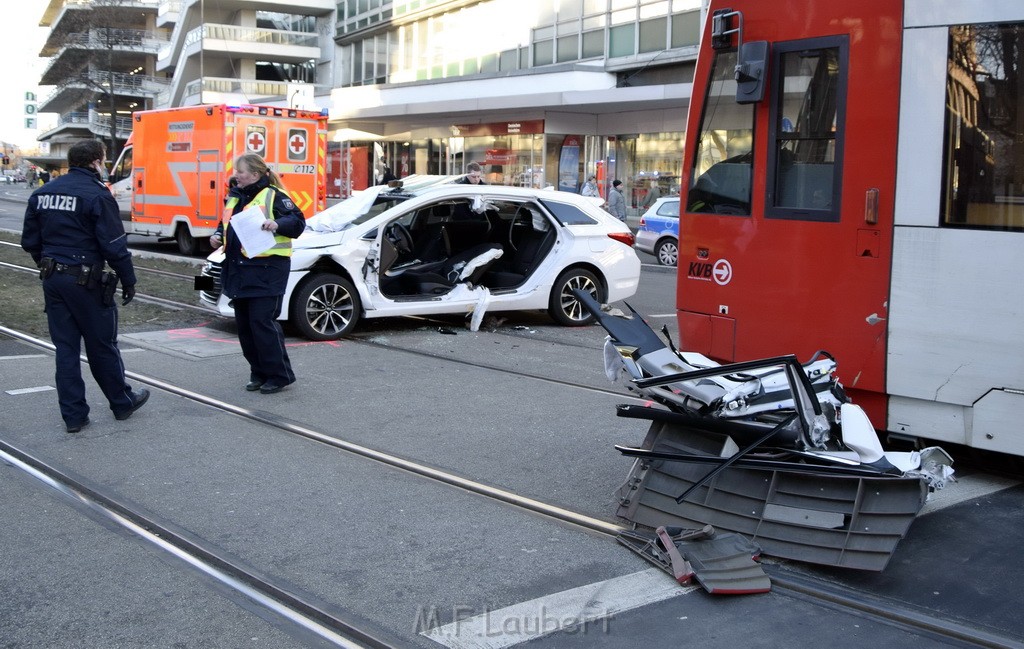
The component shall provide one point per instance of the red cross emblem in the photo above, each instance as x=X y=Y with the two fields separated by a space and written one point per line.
x=256 y=139
x=296 y=144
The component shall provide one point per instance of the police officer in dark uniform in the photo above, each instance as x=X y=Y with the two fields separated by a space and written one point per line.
x=72 y=226
x=256 y=283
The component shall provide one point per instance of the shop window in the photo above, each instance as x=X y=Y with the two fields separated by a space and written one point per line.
x=804 y=164
x=593 y=44
x=722 y=167
x=470 y=66
x=653 y=35
x=983 y=151
x=508 y=60
x=543 y=52
x=621 y=40
x=685 y=29
x=568 y=48
x=489 y=63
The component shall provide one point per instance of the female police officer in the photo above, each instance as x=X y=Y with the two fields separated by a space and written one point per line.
x=72 y=226
x=256 y=284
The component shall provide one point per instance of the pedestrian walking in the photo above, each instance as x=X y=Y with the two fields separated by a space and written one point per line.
x=256 y=284
x=653 y=194
x=617 y=202
x=72 y=230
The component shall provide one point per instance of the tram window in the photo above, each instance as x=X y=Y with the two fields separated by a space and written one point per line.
x=722 y=167
x=804 y=168
x=983 y=152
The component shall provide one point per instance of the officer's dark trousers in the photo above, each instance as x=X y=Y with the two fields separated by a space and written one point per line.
x=262 y=340
x=75 y=313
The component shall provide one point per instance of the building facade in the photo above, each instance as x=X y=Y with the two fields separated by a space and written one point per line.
x=539 y=92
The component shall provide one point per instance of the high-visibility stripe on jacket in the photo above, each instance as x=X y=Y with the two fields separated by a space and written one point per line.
x=282 y=245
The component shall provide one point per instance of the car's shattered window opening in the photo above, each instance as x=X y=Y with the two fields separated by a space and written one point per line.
x=568 y=214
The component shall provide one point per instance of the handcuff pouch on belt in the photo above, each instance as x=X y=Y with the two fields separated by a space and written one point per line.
x=109 y=282
x=46 y=267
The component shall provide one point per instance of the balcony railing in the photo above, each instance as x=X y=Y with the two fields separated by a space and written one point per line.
x=97 y=124
x=135 y=40
x=249 y=91
x=136 y=85
x=251 y=35
x=118 y=40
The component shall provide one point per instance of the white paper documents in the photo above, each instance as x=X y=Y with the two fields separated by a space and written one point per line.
x=248 y=225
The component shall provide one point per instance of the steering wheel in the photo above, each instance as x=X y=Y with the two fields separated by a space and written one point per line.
x=399 y=235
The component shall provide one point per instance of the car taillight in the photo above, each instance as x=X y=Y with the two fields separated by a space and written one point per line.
x=623 y=237
x=642 y=222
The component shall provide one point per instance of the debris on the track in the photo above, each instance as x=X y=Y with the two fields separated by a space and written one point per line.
x=772 y=449
x=723 y=564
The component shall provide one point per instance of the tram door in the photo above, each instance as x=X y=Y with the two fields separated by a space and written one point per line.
x=786 y=230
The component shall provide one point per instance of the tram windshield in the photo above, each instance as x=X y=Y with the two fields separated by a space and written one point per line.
x=722 y=167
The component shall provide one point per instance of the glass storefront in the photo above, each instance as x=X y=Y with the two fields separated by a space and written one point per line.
x=521 y=154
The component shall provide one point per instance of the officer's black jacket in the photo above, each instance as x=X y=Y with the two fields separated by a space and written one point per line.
x=242 y=277
x=75 y=220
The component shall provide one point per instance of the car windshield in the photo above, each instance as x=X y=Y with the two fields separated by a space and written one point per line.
x=368 y=203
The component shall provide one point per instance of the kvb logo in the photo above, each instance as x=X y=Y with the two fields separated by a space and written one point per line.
x=720 y=272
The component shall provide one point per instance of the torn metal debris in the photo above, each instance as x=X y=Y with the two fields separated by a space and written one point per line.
x=723 y=564
x=772 y=449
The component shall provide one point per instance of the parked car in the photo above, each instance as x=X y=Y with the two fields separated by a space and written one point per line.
x=430 y=248
x=658 y=233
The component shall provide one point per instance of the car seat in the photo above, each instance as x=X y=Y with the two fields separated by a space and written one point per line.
x=527 y=245
x=467 y=266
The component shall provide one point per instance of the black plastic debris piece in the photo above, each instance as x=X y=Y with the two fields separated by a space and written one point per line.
x=447 y=330
x=723 y=564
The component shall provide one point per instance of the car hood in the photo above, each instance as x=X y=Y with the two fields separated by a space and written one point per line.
x=341 y=215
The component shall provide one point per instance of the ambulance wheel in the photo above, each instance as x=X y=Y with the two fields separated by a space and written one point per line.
x=187 y=244
x=325 y=307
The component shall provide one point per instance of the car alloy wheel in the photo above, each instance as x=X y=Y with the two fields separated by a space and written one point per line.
x=325 y=307
x=563 y=306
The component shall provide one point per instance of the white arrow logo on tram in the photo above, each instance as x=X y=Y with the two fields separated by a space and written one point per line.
x=722 y=272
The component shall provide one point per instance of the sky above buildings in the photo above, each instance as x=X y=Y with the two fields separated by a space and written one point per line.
x=22 y=67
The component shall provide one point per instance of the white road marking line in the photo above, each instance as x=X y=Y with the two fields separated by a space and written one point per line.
x=661 y=315
x=22 y=356
x=578 y=610
x=41 y=388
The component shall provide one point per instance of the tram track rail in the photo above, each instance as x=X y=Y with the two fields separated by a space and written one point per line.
x=787 y=582
x=142 y=297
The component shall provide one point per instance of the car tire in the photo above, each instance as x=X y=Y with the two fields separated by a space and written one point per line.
x=187 y=244
x=563 y=306
x=325 y=307
x=667 y=252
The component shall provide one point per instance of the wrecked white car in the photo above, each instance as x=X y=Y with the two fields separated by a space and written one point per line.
x=427 y=248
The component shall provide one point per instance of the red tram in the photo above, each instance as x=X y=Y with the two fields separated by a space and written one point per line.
x=856 y=184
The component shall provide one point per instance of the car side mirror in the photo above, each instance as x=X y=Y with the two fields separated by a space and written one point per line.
x=751 y=67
